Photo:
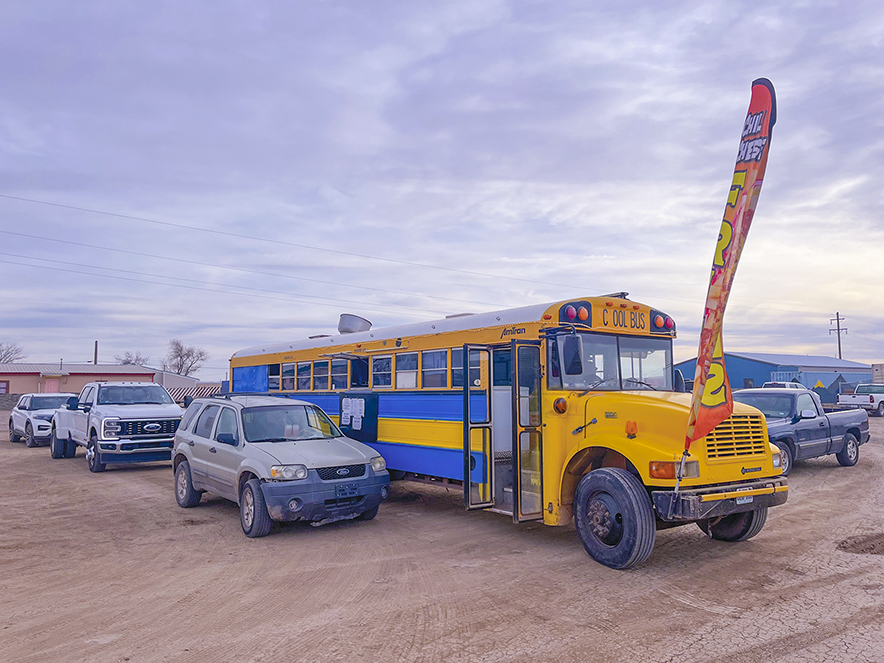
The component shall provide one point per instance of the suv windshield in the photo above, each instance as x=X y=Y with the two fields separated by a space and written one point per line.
x=773 y=406
x=602 y=362
x=152 y=394
x=279 y=423
x=48 y=402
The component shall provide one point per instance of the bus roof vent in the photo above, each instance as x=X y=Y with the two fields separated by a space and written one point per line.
x=458 y=315
x=618 y=295
x=350 y=324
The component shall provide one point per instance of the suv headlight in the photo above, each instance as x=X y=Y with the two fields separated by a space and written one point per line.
x=378 y=464
x=110 y=427
x=288 y=472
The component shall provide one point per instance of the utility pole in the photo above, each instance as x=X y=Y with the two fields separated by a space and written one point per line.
x=837 y=320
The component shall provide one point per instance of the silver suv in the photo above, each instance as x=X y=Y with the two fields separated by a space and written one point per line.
x=278 y=458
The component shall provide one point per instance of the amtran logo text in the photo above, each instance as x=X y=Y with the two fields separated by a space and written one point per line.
x=512 y=331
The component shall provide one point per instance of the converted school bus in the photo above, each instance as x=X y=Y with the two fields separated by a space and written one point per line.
x=546 y=412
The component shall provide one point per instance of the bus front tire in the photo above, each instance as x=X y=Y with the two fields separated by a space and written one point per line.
x=614 y=518
x=736 y=527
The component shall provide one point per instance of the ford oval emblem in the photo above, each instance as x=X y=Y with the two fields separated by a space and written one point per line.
x=342 y=472
x=152 y=428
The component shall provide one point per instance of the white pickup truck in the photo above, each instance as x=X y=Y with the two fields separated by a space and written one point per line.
x=867 y=396
x=117 y=422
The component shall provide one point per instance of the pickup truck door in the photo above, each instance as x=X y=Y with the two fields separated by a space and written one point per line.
x=225 y=455
x=814 y=436
x=80 y=416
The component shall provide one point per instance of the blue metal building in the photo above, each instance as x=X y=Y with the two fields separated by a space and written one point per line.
x=827 y=376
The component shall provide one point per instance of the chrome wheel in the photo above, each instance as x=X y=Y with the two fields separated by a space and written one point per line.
x=248 y=508
x=852 y=450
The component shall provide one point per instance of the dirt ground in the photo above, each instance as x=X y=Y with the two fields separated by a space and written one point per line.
x=107 y=567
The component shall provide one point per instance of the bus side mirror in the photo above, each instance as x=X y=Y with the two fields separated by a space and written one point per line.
x=679 y=385
x=572 y=355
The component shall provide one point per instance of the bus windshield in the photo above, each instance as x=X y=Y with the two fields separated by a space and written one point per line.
x=610 y=363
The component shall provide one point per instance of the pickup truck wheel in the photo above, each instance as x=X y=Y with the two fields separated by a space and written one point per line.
x=786 y=455
x=30 y=440
x=70 y=448
x=93 y=458
x=56 y=446
x=253 y=514
x=185 y=494
x=368 y=514
x=736 y=527
x=880 y=409
x=13 y=436
x=614 y=518
x=850 y=453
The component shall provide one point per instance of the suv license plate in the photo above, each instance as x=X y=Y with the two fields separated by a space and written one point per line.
x=744 y=500
x=346 y=490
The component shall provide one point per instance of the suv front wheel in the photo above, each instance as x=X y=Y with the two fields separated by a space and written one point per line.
x=253 y=512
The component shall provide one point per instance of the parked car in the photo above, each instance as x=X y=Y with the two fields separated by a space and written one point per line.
x=867 y=396
x=278 y=459
x=797 y=424
x=783 y=385
x=31 y=418
x=117 y=422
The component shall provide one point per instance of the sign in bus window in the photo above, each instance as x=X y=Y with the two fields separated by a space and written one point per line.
x=304 y=375
x=406 y=371
x=382 y=372
x=435 y=369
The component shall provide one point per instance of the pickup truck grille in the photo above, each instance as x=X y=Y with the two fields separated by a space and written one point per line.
x=167 y=427
x=329 y=473
x=738 y=435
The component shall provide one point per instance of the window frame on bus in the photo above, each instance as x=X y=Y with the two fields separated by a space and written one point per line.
x=301 y=378
x=274 y=377
x=375 y=372
x=434 y=370
x=318 y=376
x=332 y=375
x=406 y=375
x=288 y=379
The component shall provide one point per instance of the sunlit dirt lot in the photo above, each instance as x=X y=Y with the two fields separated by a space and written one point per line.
x=107 y=567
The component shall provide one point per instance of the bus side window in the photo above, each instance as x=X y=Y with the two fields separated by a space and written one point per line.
x=359 y=373
x=406 y=370
x=382 y=371
x=339 y=374
x=288 y=377
x=555 y=371
x=273 y=377
x=320 y=375
x=304 y=375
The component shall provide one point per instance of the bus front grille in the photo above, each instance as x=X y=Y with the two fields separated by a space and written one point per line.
x=738 y=435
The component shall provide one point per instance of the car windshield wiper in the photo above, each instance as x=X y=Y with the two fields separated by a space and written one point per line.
x=275 y=439
x=650 y=386
x=595 y=384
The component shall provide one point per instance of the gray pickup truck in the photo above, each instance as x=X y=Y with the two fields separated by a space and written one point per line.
x=797 y=424
x=278 y=459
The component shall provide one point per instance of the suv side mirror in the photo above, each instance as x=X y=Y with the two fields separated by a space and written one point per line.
x=72 y=403
x=226 y=438
x=807 y=414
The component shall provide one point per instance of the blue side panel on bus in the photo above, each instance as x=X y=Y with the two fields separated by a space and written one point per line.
x=437 y=406
x=433 y=461
x=330 y=403
x=249 y=378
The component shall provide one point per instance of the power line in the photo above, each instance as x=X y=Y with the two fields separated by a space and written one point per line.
x=238 y=269
x=278 y=241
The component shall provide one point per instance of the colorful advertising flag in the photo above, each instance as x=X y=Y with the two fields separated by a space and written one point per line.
x=712 y=401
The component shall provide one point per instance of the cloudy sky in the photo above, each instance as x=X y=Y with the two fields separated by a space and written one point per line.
x=233 y=173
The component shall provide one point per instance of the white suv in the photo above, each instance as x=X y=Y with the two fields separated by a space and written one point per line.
x=31 y=418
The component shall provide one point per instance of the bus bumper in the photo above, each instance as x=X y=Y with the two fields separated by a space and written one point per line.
x=718 y=501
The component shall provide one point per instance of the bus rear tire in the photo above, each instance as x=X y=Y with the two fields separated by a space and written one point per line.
x=736 y=527
x=614 y=518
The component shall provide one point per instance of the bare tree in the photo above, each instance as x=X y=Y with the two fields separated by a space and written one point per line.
x=10 y=353
x=183 y=359
x=128 y=358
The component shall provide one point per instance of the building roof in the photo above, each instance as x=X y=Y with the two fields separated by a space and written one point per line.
x=76 y=369
x=802 y=361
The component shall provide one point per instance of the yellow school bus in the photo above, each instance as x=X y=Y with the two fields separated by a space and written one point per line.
x=547 y=412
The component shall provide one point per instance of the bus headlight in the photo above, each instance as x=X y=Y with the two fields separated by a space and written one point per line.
x=288 y=472
x=378 y=464
x=777 y=460
x=667 y=469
